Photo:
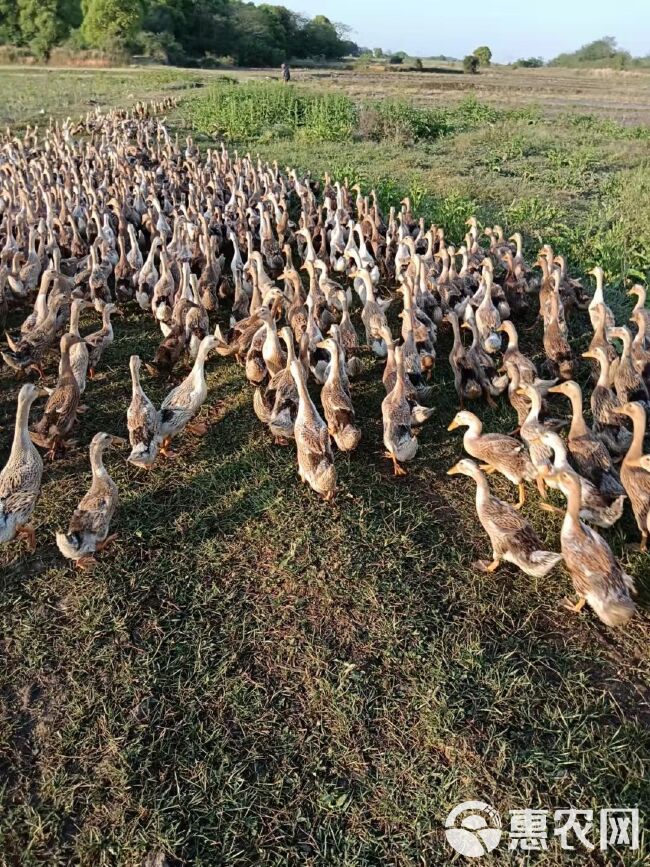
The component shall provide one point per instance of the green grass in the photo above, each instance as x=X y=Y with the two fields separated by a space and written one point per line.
x=252 y=676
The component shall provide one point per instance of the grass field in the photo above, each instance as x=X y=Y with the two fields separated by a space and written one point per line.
x=252 y=676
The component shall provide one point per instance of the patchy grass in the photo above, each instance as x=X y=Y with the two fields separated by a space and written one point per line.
x=252 y=676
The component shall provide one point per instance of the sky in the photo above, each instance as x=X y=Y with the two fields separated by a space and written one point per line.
x=532 y=28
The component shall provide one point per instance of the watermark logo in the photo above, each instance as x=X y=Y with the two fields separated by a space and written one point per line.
x=473 y=829
x=475 y=834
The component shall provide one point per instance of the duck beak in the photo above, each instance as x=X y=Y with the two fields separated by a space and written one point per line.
x=588 y=354
x=42 y=392
x=556 y=389
x=522 y=392
x=118 y=441
x=453 y=471
x=620 y=411
x=453 y=425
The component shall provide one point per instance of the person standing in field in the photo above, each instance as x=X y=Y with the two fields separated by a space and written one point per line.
x=286 y=72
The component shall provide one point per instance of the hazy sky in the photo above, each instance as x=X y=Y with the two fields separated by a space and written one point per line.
x=531 y=28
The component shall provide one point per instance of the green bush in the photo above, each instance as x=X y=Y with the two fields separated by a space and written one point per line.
x=471 y=64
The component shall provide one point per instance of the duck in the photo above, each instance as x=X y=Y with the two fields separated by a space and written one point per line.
x=28 y=352
x=401 y=444
x=90 y=523
x=337 y=403
x=641 y=311
x=599 y=298
x=558 y=352
x=597 y=577
x=527 y=369
x=142 y=421
x=512 y=537
x=79 y=350
x=634 y=477
x=488 y=318
x=589 y=455
x=531 y=433
x=496 y=452
x=184 y=402
x=278 y=407
x=639 y=350
x=600 y=341
x=467 y=379
x=20 y=479
x=604 y=402
x=99 y=341
x=628 y=382
x=60 y=412
x=595 y=508
x=315 y=459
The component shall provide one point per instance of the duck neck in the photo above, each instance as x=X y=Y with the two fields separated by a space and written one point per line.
x=97 y=462
x=578 y=425
x=573 y=504
x=22 y=440
x=638 y=433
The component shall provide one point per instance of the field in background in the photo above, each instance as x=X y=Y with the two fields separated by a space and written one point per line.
x=253 y=676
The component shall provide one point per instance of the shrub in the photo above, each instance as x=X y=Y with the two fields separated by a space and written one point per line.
x=418 y=63
x=471 y=64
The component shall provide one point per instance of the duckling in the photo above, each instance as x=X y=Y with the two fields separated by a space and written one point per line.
x=99 y=341
x=337 y=404
x=595 y=507
x=628 y=382
x=184 y=402
x=60 y=412
x=512 y=537
x=91 y=520
x=587 y=452
x=278 y=407
x=634 y=477
x=314 y=450
x=496 y=452
x=606 y=423
x=597 y=577
x=20 y=480
x=143 y=422
x=400 y=443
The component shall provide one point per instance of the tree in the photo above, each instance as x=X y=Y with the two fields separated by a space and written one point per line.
x=418 y=63
x=9 y=27
x=110 y=23
x=470 y=64
x=41 y=25
x=483 y=55
x=378 y=52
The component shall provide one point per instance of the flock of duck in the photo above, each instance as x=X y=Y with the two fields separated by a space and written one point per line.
x=113 y=212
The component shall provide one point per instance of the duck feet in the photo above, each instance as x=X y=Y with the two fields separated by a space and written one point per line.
x=547 y=507
x=541 y=487
x=485 y=566
x=85 y=563
x=198 y=429
x=575 y=607
x=281 y=441
x=165 y=448
x=29 y=534
x=108 y=541
x=398 y=470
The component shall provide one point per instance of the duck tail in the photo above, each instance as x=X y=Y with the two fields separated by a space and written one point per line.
x=69 y=545
x=543 y=561
x=613 y=612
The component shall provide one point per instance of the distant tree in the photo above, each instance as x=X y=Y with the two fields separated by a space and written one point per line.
x=484 y=55
x=418 y=63
x=529 y=62
x=41 y=25
x=9 y=26
x=110 y=23
x=471 y=64
x=378 y=52
x=396 y=59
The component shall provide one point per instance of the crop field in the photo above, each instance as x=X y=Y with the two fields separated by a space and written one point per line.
x=251 y=675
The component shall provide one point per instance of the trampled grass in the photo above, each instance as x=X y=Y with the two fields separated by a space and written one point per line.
x=252 y=676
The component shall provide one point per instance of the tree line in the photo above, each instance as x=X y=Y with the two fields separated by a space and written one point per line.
x=176 y=31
